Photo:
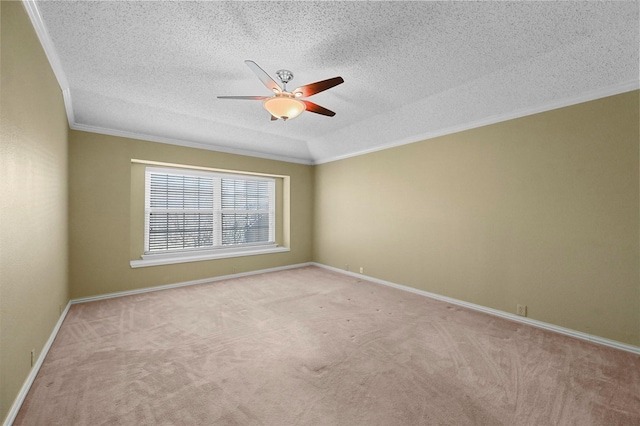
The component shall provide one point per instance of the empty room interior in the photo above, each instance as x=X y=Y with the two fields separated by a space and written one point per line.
x=320 y=213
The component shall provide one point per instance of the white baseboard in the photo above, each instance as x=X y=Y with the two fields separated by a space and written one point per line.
x=491 y=311
x=17 y=402
x=186 y=283
x=13 y=412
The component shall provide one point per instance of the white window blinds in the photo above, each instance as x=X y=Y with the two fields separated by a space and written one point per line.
x=193 y=210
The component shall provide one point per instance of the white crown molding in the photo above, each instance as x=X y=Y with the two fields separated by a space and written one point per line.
x=24 y=390
x=52 y=55
x=43 y=35
x=189 y=144
x=585 y=97
x=68 y=106
x=604 y=92
x=495 y=312
x=54 y=60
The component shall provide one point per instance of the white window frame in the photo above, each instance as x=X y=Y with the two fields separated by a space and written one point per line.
x=216 y=251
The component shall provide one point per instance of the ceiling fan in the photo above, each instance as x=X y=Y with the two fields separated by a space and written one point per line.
x=287 y=105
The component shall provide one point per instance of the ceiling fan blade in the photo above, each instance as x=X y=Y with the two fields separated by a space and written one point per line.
x=311 y=107
x=274 y=118
x=247 y=98
x=264 y=77
x=318 y=86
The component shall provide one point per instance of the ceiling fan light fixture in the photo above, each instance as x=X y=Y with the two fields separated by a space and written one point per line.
x=284 y=106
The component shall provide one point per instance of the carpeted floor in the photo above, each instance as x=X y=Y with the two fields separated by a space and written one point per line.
x=312 y=347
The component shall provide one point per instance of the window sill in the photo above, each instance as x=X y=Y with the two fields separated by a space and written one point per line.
x=196 y=257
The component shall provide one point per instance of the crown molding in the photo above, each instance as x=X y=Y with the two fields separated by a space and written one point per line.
x=189 y=144
x=604 y=92
x=45 y=40
x=68 y=106
x=54 y=60
x=52 y=55
x=50 y=51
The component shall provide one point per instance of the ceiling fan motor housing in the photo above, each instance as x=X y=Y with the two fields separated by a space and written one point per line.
x=286 y=105
x=285 y=76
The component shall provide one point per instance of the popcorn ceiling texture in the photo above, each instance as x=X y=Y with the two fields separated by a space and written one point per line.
x=411 y=69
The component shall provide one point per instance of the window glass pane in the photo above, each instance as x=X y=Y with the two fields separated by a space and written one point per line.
x=173 y=231
x=245 y=194
x=244 y=228
x=203 y=211
x=181 y=192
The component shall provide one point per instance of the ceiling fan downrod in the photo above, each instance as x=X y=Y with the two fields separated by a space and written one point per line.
x=285 y=76
x=286 y=105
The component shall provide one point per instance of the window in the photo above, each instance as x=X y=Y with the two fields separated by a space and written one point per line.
x=192 y=211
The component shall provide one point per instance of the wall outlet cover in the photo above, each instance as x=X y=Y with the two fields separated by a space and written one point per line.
x=521 y=310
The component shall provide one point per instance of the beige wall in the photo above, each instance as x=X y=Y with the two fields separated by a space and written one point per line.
x=33 y=201
x=541 y=211
x=100 y=214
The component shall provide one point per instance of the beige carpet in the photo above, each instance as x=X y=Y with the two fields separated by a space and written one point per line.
x=312 y=347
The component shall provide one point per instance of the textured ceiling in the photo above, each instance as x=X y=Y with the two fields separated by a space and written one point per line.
x=412 y=70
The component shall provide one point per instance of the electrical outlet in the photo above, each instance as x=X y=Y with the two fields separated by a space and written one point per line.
x=233 y=270
x=521 y=310
x=33 y=356
x=346 y=267
x=361 y=270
